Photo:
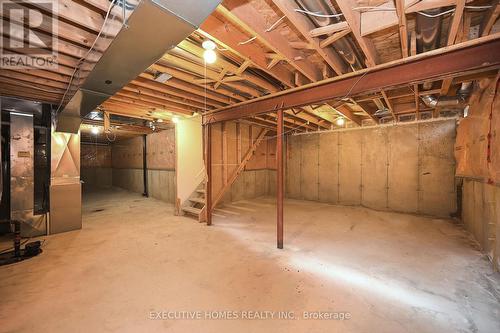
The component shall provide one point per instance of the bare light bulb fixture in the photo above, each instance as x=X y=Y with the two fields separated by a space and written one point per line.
x=94 y=130
x=340 y=121
x=175 y=119
x=209 y=54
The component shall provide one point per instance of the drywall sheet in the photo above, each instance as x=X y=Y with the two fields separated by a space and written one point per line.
x=293 y=172
x=374 y=174
x=403 y=168
x=437 y=168
x=190 y=169
x=309 y=167
x=328 y=167
x=350 y=153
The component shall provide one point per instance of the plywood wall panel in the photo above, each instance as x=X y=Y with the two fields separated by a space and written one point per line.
x=350 y=167
x=403 y=168
x=95 y=156
x=161 y=150
x=374 y=168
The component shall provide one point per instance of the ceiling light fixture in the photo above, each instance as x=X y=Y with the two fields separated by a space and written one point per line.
x=340 y=121
x=175 y=119
x=208 y=45
x=209 y=56
x=94 y=130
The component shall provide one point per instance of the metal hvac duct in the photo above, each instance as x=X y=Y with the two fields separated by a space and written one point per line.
x=154 y=27
x=428 y=30
x=343 y=46
x=461 y=97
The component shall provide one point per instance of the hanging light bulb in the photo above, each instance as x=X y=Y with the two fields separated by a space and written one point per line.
x=94 y=130
x=340 y=121
x=210 y=56
x=208 y=45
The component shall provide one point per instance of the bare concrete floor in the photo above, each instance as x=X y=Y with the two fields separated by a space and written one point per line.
x=132 y=259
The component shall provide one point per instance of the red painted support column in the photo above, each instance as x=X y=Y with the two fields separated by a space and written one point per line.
x=279 y=179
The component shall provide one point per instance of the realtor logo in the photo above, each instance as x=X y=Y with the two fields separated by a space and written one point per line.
x=29 y=34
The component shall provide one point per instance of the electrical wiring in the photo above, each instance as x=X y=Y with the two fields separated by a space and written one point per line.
x=275 y=24
x=247 y=41
x=317 y=14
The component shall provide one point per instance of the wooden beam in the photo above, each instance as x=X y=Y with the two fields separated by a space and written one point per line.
x=353 y=18
x=333 y=38
x=490 y=18
x=304 y=26
x=329 y=29
x=227 y=35
x=479 y=55
x=247 y=17
x=347 y=113
x=229 y=67
x=201 y=71
x=389 y=104
x=279 y=180
x=455 y=23
x=403 y=32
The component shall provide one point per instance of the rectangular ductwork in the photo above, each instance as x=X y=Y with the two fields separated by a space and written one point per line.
x=154 y=27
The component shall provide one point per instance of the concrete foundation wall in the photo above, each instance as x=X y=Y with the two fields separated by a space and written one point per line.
x=406 y=168
x=250 y=184
x=127 y=162
x=481 y=215
x=96 y=178
x=95 y=171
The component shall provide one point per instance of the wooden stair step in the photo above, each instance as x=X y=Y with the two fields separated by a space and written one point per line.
x=192 y=210
x=201 y=190
x=198 y=200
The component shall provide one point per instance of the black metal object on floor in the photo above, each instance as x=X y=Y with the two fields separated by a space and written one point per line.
x=30 y=250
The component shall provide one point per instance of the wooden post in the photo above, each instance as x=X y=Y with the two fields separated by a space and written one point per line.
x=208 y=163
x=279 y=179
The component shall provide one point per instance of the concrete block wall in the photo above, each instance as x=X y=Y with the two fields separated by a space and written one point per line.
x=406 y=168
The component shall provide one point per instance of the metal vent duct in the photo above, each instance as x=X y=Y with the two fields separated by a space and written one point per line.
x=154 y=27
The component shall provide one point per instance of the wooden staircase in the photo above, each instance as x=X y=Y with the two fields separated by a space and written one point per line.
x=195 y=205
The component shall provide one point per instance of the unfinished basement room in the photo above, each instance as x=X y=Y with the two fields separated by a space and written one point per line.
x=250 y=166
